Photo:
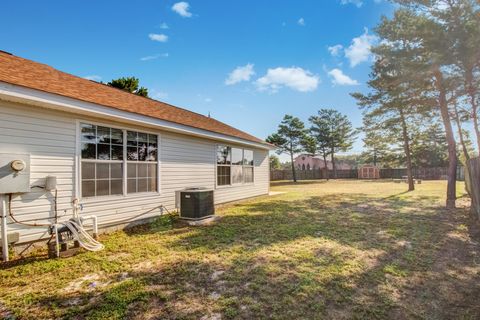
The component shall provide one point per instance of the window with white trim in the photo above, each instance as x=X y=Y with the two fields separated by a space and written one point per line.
x=105 y=152
x=234 y=166
x=141 y=162
x=224 y=155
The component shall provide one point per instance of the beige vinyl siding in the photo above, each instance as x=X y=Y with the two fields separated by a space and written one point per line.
x=50 y=138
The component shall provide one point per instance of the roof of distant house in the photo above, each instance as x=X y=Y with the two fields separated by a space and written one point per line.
x=27 y=73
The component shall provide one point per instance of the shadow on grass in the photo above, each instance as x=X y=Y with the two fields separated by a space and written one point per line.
x=298 y=183
x=332 y=285
x=342 y=256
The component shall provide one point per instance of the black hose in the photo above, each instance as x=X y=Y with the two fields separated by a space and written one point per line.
x=10 y=195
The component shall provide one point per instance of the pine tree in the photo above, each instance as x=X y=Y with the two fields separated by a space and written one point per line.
x=129 y=84
x=288 y=138
x=333 y=133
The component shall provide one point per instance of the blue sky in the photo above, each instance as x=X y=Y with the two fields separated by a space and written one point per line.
x=246 y=62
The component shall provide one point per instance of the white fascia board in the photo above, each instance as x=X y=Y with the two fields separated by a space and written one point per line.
x=19 y=94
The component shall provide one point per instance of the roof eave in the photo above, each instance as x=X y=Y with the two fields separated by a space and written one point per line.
x=19 y=94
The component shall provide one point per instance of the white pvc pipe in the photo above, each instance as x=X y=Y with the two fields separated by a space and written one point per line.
x=57 y=246
x=94 y=222
x=4 y=228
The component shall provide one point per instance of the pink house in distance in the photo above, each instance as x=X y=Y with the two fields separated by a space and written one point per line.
x=307 y=162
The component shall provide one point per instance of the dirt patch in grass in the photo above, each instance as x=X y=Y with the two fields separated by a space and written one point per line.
x=337 y=249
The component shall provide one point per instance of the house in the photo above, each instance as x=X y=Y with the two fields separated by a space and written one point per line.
x=113 y=154
x=308 y=162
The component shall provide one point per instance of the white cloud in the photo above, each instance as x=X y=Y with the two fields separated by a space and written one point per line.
x=295 y=78
x=301 y=22
x=239 y=74
x=155 y=56
x=164 y=25
x=158 y=37
x=357 y=3
x=182 y=9
x=159 y=95
x=335 y=50
x=208 y=100
x=93 y=77
x=359 y=50
x=341 y=79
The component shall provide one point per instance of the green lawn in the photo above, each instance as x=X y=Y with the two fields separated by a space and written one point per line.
x=337 y=249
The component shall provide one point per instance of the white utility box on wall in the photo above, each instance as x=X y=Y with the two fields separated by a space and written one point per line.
x=14 y=173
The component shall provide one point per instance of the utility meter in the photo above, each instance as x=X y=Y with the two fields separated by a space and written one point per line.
x=14 y=173
x=17 y=165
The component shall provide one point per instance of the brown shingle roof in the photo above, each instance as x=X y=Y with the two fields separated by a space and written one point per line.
x=30 y=74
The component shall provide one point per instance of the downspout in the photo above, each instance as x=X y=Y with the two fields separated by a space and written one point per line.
x=4 y=229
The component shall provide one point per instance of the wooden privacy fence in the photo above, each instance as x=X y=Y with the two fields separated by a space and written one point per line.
x=439 y=173
x=436 y=173
x=312 y=174
x=474 y=184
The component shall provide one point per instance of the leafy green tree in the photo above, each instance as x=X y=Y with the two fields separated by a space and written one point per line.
x=289 y=138
x=333 y=133
x=129 y=84
x=274 y=162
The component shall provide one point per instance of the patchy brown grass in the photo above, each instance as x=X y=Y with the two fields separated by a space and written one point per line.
x=337 y=249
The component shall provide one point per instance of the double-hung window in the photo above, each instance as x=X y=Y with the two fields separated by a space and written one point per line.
x=116 y=161
x=247 y=166
x=141 y=162
x=224 y=156
x=234 y=166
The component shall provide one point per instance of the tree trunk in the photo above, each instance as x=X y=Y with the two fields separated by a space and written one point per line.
x=294 y=173
x=473 y=102
x=452 y=150
x=460 y=135
x=325 y=168
x=406 y=148
x=333 y=165
x=464 y=148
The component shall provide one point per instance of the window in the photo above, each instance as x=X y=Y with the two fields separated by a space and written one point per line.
x=234 y=166
x=237 y=166
x=248 y=166
x=223 y=165
x=103 y=161
x=141 y=162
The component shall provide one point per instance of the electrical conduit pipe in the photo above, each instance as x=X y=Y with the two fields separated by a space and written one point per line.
x=4 y=228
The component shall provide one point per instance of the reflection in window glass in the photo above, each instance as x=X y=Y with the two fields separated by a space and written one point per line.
x=141 y=150
x=88 y=132
x=248 y=157
x=234 y=166
x=248 y=174
x=89 y=151
x=237 y=156
x=223 y=155
x=102 y=154
x=237 y=174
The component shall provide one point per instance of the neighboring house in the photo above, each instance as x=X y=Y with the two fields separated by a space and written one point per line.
x=121 y=156
x=307 y=162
